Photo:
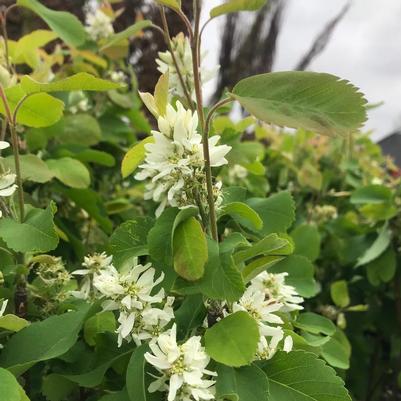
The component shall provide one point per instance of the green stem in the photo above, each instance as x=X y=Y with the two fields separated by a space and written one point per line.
x=14 y=140
x=213 y=109
x=199 y=105
x=168 y=43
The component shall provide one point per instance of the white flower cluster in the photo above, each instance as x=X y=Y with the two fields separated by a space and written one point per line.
x=175 y=162
x=183 y=368
x=182 y=51
x=99 y=25
x=142 y=316
x=267 y=295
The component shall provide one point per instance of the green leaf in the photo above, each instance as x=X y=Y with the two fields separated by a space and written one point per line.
x=276 y=211
x=248 y=383
x=337 y=350
x=100 y=323
x=221 y=280
x=307 y=241
x=315 y=324
x=134 y=157
x=91 y=202
x=82 y=129
x=233 y=340
x=56 y=387
x=383 y=268
x=377 y=248
x=66 y=25
x=371 y=194
x=42 y=340
x=174 y=4
x=272 y=244
x=137 y=378
x=232 y=6
x=39 y=110
x=12 y=323
x=190 y=315
x=339 y=293
x=127 y=33
x=161 y=94
x=243 y=214
x=129 y=240
x=300 y=274
x=32 y=168
x=36 y=234
x=94 y=377
x=10 y=389
x=190 y=250
x=83 y=154
x=259 y=265
x=301 y=376
x=26 y=49
x=159 y=237
x=70 y=172
x=78 y=82
x=316 y=102
x=118 y=396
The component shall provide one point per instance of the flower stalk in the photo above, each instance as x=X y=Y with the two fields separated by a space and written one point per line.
x=168 y=43
x=14 y=140
x=204 y=132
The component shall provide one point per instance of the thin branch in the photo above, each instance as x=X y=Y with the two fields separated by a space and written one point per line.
x=199 y=105
x=213 y=110
x=168 y=43
x=14 y=139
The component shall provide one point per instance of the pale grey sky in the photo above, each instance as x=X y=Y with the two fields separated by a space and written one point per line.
x=365 y=49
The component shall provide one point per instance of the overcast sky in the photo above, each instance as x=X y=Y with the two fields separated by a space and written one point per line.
x=365 y=49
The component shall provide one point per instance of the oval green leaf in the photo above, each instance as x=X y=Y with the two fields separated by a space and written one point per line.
x=81 y=81
x=38 y=110
x=301 y=376
x=70 y=172
x=134 y=157
x=65 y=24
x=316 y=102
x=190 y=250
x=233 y=340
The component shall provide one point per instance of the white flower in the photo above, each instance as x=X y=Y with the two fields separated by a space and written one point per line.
x=7 y=184
x=183 y=368
x=288 y=344
x=174 y=163
x=274 y=288
x=107 y=282
x=237 y=172
x=3 y=307
x=6 y=79
x=99 y=25
x=118 y=76
x=183 y=54
x=131 y=294
x=4 y=145
x=253 y=301
x=266 y=295
x=94 y=264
